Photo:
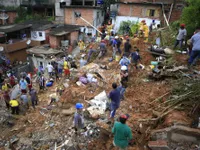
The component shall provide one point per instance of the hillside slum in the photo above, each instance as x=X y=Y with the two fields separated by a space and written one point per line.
x=162 y=104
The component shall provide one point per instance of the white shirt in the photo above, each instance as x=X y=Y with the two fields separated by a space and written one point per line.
x=50 y=68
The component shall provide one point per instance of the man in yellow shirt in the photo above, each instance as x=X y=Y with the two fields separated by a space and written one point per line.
x=14 y=106
x=66 y=68
x=81 y=45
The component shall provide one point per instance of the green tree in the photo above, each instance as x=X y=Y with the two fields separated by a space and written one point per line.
x=190 y=15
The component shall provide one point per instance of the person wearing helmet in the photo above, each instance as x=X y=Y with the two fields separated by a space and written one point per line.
x=124 y=81
x=122 y=133
x=114 y=95
x=182 y=33
x=90 y=52
x=78 y=118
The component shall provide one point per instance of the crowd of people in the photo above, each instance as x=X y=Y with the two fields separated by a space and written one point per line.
x=125 y=50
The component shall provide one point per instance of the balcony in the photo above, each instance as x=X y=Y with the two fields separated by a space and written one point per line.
x=15 y=46
x=37 y=2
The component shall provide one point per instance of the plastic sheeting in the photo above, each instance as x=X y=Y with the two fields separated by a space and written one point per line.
x=15 y=92
x=98 y=104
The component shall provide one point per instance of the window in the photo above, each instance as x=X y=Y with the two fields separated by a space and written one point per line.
x=40 y=34
x=152 y=13
x=179 y=6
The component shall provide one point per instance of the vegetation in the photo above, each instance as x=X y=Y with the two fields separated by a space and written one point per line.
x=190 y=15
x=128 y=27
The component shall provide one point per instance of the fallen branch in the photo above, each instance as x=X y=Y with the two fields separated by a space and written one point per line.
x=157 y=99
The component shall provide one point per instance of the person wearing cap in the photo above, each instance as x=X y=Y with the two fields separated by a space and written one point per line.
x=78 y=118
x=135 y=57
x=114 y=45
x=90 y=52
x=114 y=96
x=127 y=48
x=195 y=42
x=152 y=26
x=81 y=46
x=122 y=133
x=182 y=33
x=82 y=61
x=124 y=81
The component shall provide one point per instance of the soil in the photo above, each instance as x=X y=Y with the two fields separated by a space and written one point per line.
x=138 y=103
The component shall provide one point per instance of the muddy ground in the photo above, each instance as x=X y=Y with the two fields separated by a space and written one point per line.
x=43 y=129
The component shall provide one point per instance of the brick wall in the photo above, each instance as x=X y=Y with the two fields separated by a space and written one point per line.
x=85 y=13
x=138 y=11
x=73 y=37
x=53 y=41
x=19 y=55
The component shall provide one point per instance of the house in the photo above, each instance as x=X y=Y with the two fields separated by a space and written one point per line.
x=40 y=32
x=65 y=35
x=151 y=9
x=9 y=15
x=42 y=55
x=89 y=10
x=13 y=41
x=42 y=7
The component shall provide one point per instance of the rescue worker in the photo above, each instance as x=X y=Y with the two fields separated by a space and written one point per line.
x=122 y=133
x=182 y=33
x=90 y=52
x=135 y=40
x=34 y=97
x=66 y=68
x=14 y=106
x=114 y=96
x=146 y=32
x=81 y=45
x=103 y=49
x=124 y=81
x=78 y=118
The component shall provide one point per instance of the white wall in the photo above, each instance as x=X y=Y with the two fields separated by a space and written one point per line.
x=119 y=19
x=38 y=35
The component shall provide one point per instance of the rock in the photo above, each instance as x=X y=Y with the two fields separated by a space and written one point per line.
x=158 y=145
x=68 y=112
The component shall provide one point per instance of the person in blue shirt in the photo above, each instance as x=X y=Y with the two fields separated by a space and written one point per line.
x=114 y=96
x=195 y=41
x=114 y=45
x=78 y=118
x=135 y=57
x=23 y=85
x=124 y=61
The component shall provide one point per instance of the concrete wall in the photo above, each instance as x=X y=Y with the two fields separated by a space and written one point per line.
x=88 y=14
x=14 y=3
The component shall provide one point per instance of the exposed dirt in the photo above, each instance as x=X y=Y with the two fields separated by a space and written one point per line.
x=138 y=104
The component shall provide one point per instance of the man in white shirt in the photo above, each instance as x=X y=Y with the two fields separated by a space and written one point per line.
x=181 y=36
x=50 y=69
